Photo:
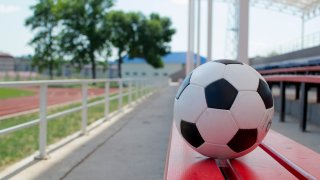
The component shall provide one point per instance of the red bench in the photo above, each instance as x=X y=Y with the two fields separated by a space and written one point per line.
x=303 y=84
x=276 y=158
x=293 y=70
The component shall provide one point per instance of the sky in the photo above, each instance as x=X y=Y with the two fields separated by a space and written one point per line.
x=268 y=28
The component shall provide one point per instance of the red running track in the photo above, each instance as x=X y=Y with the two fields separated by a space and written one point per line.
x=55 y=96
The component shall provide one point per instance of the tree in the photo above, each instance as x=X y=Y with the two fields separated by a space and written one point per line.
x=45 y=42
x=154 y=35
x=123 y=27
x=134 y=35
x=84 y=36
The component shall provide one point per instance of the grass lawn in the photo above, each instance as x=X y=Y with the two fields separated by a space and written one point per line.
x=20 y=144
x=6 y=93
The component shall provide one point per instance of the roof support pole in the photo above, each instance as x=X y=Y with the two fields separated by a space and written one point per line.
x=199 y=34
x=190 y=56
x=302 y=31
x=187 y=67
x=192 y=34
x=210 y=17
x=243 y=42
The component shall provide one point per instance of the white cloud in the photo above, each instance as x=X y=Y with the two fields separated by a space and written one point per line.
x=180 y=2
x=7 y=9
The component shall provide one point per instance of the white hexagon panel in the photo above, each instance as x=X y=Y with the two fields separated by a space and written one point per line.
x=248 y=110
x=265 y=124
x=190 y=107
x=212 y=71
x=241 y=77
x=257 y=74
x=217 y=126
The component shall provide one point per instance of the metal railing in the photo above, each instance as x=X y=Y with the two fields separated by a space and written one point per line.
x=308 y=41
x=142 y=88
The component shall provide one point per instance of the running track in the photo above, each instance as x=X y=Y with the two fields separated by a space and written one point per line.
x=55 y=96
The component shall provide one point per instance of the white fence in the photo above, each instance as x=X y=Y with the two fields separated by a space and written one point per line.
x=142 y=87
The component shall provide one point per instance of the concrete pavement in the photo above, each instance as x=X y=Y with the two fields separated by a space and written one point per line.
x=138 y=150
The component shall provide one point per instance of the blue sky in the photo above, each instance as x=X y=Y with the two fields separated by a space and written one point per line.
x=267 y=28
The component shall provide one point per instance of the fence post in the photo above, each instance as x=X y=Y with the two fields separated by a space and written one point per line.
x=120 y=94
x=43 y=122
x=141 y=88
x=130 y=92
x=136 y=90
x=145 y=82
x=84 y=108
x=145 y=89
x=106 y=98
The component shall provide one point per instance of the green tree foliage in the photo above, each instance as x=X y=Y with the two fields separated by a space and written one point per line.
x=44 y=22
x=123 y=27
x=84 y=37
x=135 y=35
x=154 y=35
x=83 y=31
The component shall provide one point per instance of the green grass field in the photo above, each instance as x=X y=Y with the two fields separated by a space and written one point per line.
x=6 y=93
x=20 y=144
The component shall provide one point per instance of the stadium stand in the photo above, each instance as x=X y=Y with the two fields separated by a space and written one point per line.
x=297 y=70
x=303 y=84
x=301 y=58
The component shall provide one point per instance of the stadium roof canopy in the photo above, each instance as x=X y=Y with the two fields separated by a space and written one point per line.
x=306 y=9
x=171 y=58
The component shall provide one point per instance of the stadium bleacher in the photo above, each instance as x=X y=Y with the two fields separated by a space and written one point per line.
x=301 y=58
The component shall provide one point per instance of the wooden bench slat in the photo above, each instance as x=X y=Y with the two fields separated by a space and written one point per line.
x=298 y=157
x=288 y=70
x=293 y=78
x=259 y=165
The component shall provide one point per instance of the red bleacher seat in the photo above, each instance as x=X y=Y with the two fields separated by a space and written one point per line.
x=278 y=157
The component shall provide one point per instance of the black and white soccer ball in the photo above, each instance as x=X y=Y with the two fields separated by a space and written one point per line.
x=223 y=109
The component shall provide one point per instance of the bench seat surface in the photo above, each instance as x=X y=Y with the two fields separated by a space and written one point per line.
x=184 y=163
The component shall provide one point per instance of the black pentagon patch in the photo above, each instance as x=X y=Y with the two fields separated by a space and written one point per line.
x=268 y=126
x=220 y=94
x=191 y=134
x=265 y=94
x=243 y=140
x=183 y=86
x=226 y=62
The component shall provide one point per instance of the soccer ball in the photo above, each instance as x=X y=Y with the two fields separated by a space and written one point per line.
x=223 y=109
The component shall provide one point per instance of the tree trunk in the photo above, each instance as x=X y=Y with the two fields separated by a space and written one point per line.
x=93 y=65
x=51 y=53
x=119 y=68
x=119 y=64
x=51 y=70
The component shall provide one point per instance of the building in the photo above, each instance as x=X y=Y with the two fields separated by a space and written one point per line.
x=11 y=66
x=137 y=67
x=7 y=62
